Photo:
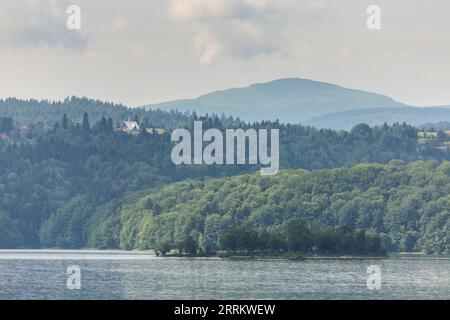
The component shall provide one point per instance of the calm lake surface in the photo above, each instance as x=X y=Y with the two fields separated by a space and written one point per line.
x=41 y=274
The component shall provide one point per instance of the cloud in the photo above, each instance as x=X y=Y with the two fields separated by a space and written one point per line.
x=345 y=52
x=38 y=23
x=239 y=28
x=207 y=46
x=120 y=24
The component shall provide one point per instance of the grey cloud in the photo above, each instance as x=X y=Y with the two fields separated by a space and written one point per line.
x=51 y=34
x=239 y=28
x=247 y=39
x=40 y=24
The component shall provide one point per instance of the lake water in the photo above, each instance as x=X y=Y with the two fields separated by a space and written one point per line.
x=127 y=275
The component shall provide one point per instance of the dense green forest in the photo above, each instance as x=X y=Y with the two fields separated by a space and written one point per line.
x=407 y=205
x=295 y=235
x=78 y=182
x=48 y=112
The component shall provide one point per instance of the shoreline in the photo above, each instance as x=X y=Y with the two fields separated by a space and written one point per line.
x=281 y=256
x=232 y=256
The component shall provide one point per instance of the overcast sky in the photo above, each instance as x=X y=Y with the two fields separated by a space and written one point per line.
x=147 y=51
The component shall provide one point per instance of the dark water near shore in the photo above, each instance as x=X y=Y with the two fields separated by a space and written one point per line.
x=120 y=275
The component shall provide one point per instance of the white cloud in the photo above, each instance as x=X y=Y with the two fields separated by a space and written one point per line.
x=240 y=28
x=186 y=10
x=345 y=52
x=207 y=46
x=120 y=24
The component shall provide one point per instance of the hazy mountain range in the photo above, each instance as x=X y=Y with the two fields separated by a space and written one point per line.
x=309 y=102
x=426 y=117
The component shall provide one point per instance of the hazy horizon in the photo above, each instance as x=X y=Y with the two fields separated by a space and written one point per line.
x=157 y=51
x=205 y=93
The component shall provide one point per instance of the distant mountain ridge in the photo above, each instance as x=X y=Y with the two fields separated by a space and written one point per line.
x=415 y=116
x=311 y=103
x=289 y=100
x=314 y=103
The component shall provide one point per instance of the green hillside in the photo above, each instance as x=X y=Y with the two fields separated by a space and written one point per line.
x=48 y=112
x=80 y=185
x=409 y=206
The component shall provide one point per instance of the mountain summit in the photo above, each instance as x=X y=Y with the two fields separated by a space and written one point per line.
x=289 y=100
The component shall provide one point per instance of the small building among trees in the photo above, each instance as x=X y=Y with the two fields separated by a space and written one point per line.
x=130 y=127
x=133 y=127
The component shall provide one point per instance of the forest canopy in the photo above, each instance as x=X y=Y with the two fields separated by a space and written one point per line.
x=407 y=205
x=80 y=182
